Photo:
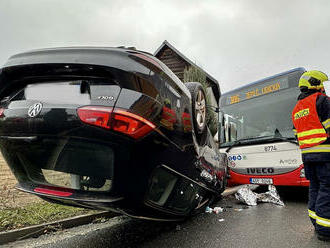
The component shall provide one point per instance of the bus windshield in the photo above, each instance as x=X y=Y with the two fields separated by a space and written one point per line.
x=258 y=118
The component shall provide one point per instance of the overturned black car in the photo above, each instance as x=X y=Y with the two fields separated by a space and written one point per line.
x=108 y=128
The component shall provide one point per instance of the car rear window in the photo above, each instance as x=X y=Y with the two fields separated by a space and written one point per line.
x=69 y=163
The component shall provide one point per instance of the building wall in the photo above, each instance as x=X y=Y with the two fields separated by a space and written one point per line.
x=177 y=64
x=173 y=61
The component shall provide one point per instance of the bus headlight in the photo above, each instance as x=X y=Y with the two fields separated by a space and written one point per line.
x=302 y=172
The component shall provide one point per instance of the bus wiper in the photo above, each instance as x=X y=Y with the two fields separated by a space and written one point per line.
x=263 y=139
x=288 y=139
x=278 y=137
x=237 y=142
x=242 y=141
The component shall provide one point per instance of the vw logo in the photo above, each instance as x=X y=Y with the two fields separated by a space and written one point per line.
x=35 y=109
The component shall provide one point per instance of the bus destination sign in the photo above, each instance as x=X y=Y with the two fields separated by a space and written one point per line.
x=258 y=90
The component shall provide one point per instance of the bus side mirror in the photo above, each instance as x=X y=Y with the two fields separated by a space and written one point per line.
x=233 y=131
x=326 y=85
x=221 y=129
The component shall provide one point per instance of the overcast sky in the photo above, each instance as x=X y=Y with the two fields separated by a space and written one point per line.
x=235 y=41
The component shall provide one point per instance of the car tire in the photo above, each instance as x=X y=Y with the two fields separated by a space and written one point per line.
x=199 y=109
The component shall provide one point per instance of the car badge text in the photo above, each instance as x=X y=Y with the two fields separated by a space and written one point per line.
x=35 y=109
x=108 y=98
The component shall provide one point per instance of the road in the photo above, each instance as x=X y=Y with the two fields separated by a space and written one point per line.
x=265 y=225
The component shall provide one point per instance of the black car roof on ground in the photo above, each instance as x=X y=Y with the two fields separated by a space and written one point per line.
x=120 y=58
x=80 y=55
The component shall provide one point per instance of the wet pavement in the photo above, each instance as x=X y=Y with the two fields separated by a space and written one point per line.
x=264 y=225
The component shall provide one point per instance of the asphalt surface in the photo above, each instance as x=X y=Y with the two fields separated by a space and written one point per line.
x=264 y=225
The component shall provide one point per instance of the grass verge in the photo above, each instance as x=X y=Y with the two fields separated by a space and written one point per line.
x=37 y=213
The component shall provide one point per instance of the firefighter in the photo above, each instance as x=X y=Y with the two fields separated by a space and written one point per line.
x=311 y=120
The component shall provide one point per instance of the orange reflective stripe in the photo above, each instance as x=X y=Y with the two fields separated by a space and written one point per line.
x=311 y=132
x=312 y=140
x=309 y=142
x=312 y=137
x=322 y=135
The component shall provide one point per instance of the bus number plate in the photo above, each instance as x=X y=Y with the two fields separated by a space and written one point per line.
x=261 y=180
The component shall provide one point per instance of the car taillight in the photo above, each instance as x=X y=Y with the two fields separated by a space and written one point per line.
x=97 y=116
x=118 y=120
x=131 y=124
x=52 y=190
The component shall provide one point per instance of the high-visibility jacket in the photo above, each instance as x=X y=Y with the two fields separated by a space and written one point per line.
x=309 y=129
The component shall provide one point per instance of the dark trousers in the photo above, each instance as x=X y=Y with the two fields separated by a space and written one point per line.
x=319 y=195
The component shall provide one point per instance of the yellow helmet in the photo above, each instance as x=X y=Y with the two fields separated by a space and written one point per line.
x=312 y=80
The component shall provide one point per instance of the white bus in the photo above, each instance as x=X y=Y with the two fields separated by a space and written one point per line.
x=256 y=132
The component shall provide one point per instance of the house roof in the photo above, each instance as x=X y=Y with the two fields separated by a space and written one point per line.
x=166 y=43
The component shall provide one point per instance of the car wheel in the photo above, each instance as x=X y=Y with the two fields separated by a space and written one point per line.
x=199 y=109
